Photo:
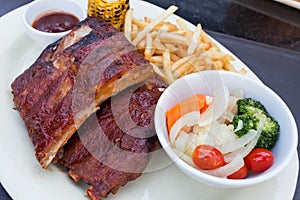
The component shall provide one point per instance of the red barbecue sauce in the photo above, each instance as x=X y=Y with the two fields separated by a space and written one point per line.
x=55 y=22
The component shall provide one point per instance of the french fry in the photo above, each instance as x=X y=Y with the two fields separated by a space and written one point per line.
x=158 y=45
x=218 y=64
x=204 y=37
x=228 y=66
x=158 y=71
x=173 y=38
x=133 y=33
x=149 y=47
x=172 y=47
x=183 y=70
x=201 y=63
x=180 y=62
x=157 y=59
x=135 y=28
x=174 y=57
x=215 y=55
x=139 y=23
x=180 y=32
x=168 y=26
x=174 y=50
x=159 y=52
x=206 y=46
x=195 y=40
x=155 y=22
x=147 y=19
x=154 y=34
x=142 y=44
x=167 y=66
x=128 y=24
x=182 y=52
x=242 y=71
x=181 y=23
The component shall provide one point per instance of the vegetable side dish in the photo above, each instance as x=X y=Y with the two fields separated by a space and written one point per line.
x=225 y=134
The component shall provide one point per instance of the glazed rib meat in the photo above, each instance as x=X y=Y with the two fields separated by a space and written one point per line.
x=69 y=81
x=114 y=146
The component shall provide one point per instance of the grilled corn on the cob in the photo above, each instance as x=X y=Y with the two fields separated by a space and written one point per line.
x=112 y=11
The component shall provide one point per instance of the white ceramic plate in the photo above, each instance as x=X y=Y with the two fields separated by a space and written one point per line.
x=23 y=178
x=292 y=3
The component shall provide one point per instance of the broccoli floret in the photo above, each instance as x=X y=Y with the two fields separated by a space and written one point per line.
x=251 y=112
x=248 y=122
x=251 y=107
x=269 y=134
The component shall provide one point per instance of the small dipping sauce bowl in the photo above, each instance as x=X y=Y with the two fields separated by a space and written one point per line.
x=66 y=11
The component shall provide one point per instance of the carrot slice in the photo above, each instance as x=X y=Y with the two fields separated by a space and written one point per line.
x=196 y=102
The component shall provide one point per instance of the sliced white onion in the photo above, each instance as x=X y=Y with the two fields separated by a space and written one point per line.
x=199 y=139
x=209 y=100
x=238 y=93
x=226 y=117
x=236 y=144
x=184 y=157
x=188 y=119
x=217 y=108
x=225 y=136
x=231 y=110
x=214 y=129
x=239 y=126
x=232 y=103
x=181 y=141
x=184 y=141
x=245 y=150
x=228 y=169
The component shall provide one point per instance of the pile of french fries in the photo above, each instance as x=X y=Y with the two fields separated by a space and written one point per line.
x=174 y=50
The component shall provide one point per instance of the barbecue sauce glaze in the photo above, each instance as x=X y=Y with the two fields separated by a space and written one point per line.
x=55 y=22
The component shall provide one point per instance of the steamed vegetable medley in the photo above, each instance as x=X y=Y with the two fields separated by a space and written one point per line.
x=225 y=134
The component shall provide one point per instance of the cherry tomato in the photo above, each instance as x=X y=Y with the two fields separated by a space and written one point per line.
x=259 y=160
x=240 y=174
x=207 y=157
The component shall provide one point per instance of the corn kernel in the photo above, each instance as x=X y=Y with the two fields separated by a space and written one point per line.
x=112 y=11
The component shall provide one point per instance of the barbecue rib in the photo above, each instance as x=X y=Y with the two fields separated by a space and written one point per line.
x=70 y=79
x=114 y=146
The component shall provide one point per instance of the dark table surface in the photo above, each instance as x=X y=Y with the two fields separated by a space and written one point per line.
x=264 y=34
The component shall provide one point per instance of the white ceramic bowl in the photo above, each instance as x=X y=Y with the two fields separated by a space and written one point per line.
x=37 y=7
x=207 y=81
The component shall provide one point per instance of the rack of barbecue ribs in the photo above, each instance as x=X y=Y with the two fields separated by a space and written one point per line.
x=69 y=81
x=114 y=145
